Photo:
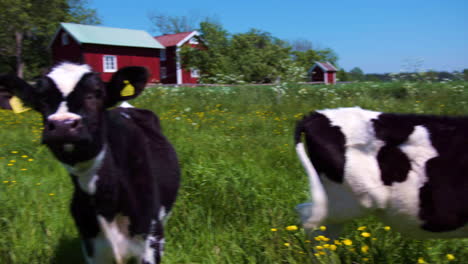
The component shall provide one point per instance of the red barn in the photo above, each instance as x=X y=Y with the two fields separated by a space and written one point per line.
x=171 y=69
x=323 y=72
x=106 y=49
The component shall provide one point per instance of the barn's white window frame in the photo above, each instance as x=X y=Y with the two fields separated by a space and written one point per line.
x=163 y=55
x=109 y=63
x=65 y=39
x=193 y=41
x=163 y=72
x=194 y=73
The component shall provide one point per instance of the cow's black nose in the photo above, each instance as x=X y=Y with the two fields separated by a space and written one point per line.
x=65 y=126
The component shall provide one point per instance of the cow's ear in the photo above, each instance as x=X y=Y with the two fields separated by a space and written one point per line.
x=125 y=84
x=19 y=87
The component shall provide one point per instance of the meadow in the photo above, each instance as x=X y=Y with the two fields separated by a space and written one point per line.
x=241 y=178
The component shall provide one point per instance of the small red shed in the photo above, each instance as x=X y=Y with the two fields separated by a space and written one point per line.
x=323 y=72
x=172 y=71
x=106 y=49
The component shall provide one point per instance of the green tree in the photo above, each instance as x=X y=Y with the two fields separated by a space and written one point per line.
x=342 y=75
x=213 y=58
x=28 y=26
x=465 y=74
x=356 y=74
x=254 y=56
x=257 y=55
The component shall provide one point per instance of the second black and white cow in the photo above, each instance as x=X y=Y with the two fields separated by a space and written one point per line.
x=409 y=170
x=125 y=172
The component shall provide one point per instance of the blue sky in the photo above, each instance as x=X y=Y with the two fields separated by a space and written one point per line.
x=377 y=36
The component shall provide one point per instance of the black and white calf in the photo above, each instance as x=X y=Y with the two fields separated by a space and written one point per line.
x=125 y=172
x=409 y=170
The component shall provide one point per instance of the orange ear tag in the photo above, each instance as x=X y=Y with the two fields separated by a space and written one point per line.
x=128 y=90
x=17 y=106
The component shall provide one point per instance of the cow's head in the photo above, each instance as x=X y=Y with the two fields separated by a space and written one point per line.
x=72 y=100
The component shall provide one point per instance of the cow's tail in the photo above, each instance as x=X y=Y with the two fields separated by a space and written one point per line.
x=312 y=214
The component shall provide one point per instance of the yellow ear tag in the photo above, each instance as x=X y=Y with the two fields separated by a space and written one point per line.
x=17 y=105
x=128 y=90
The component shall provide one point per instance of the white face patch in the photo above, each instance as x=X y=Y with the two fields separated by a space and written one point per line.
x=62 y=114
x=67 y=75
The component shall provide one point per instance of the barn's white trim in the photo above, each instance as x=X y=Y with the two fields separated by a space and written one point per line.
x=187 y=38
x=178 y=67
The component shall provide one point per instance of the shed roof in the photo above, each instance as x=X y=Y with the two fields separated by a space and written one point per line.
x=326 y=66
x=169 y=40
x=110 y=36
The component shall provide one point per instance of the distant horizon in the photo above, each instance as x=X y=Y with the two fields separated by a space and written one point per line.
x=376 y=37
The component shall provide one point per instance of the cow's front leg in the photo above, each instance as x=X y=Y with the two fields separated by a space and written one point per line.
x=154 y=244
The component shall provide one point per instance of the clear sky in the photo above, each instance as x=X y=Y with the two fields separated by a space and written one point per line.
x=377 y=36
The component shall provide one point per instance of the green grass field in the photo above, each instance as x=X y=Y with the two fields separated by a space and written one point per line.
x=241 y=179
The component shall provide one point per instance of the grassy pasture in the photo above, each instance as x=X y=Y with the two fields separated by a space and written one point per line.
x=241 y=178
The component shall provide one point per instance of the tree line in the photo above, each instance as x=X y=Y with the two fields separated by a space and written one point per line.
x=255 y=56
x=356 y=74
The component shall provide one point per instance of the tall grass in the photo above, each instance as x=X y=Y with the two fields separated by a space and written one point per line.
x=241 y=178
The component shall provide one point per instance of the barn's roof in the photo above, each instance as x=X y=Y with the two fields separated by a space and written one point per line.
x=177 y=39
x=111 y=36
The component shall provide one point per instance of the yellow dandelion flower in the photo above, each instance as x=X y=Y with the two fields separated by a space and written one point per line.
x=6 y=181
x=387 y=228
x=317 y=254
x=450 y=257
x=333 y=247
x=12 y=161
x=13 y=181
x=273 y=229
x=291 y=228
x=24 y=169
x=14 y=152
x=365 y=234
x=337 y=242
x=361 y=228
x=323 y=228
x=30 y=159
x=287 y=244
x=421 y=260
x=24 y=156
x=326 y=246
x=348 y=242
x=51 y=194
x=322 y=253
x=319 y=247
x=365 y=249
x=365 y=259
x=10 y=164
